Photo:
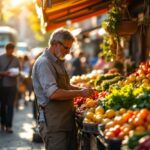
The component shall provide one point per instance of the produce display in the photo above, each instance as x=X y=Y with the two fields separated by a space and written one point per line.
x=121 y=104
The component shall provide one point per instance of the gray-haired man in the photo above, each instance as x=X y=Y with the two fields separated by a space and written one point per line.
x=54 y=94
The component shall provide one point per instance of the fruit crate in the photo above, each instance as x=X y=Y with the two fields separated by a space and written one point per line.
x=90 y=128
x=107 y=144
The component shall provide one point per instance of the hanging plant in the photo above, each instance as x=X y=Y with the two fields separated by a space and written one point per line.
x=111 y=25
x=119 y=23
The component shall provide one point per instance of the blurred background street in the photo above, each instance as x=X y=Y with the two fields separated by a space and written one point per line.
x=21 y=139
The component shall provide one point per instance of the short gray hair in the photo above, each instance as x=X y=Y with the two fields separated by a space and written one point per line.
x=61 y=35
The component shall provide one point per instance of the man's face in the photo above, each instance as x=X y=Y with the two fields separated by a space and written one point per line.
x=62 y=49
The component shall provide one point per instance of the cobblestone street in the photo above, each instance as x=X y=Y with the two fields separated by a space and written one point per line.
x=21 y=139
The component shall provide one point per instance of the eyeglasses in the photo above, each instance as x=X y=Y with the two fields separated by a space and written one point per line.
x=65 y=47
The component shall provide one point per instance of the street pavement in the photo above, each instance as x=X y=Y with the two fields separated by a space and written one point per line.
x=21 y=138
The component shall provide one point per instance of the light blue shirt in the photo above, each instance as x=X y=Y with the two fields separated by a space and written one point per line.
x=44 y=77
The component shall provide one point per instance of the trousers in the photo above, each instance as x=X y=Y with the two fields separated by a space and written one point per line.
x=7 y=96
x=64 y=140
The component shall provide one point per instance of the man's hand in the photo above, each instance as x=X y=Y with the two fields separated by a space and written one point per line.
x=87 y=92
x=5 y=73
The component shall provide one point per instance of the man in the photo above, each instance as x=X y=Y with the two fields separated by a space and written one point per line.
x=54 y=94
x=8 y=87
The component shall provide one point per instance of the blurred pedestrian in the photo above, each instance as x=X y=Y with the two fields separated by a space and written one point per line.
x=100 y=64
x=76 y=64
x=55 y=94
x=9 y=70
x=26 y=69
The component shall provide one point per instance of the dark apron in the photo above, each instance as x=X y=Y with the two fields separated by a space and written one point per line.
x=60 y=114
x=60 y=131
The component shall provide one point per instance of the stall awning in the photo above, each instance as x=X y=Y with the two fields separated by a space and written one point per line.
x=57 y=12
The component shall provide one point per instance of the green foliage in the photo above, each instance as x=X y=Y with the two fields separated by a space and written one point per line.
x=128 y=97
x=107 y=52
x=111 y=25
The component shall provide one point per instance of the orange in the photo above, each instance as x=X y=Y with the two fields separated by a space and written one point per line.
x=105 y=120
x=90 y=115
x=138 y=121
x=109 y=124
x=145 y=81
x=98 y=118
x=118 y=120
x=143 y=113
x=132 y=77
x=110 y=113
x=148 y=127
x=90 y=103
x=127 y=115
x=148 y=118
x=148 y=76
x=99 y=110
x=140 y=129
x=86 y=120
x=122 y=111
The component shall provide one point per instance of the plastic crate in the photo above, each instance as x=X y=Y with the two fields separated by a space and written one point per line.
x=90 y=128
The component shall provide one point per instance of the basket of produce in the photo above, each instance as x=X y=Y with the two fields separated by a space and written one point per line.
x=104 y=143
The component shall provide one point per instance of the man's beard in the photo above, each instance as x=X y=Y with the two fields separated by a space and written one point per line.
x=58 y=54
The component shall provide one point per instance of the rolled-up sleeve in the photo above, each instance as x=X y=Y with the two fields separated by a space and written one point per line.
x=47 y=78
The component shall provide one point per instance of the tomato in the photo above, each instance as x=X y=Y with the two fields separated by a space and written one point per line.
x=143 y=113
x=117 y=129
x=121 y=135
x=109 y=135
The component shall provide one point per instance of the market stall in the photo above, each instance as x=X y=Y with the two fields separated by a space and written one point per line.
x=117 y=116
x=119 y=112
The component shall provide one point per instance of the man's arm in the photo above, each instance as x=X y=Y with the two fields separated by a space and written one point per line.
x=61 y=94
x=4 y=73
x=72 y=87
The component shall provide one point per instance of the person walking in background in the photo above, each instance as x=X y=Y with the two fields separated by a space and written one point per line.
x=55 y=94
x=76 y=63
x=9 y=70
